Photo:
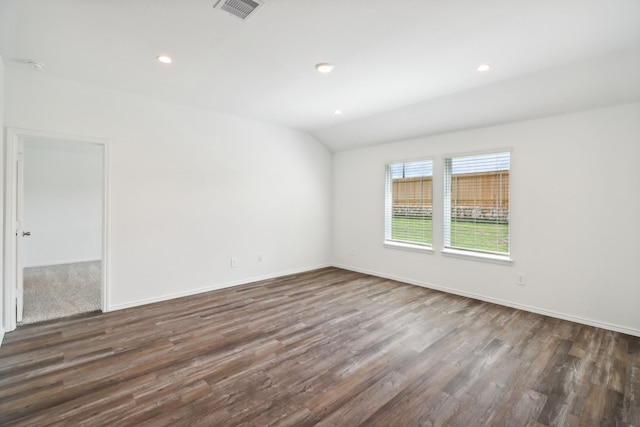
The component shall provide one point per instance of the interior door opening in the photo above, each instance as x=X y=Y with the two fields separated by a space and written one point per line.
x=57 y=227
x=62 y=214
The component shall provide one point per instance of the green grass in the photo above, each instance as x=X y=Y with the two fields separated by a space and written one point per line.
x=412 y=229
x=481 y=236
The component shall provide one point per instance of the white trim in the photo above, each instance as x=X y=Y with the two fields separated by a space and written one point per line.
x=477 y=256
x=478 y=153
x=3 y=316
x=430 y=158
x=13 y=135
x=391 y=244
x=106 y=223
x=537 y=310
x=213 y=288
x=8 y=279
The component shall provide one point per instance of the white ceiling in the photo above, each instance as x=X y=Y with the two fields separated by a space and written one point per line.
x=402 y=69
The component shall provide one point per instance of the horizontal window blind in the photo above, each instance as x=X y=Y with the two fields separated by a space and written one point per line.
x=409 y=202
x=477 y=203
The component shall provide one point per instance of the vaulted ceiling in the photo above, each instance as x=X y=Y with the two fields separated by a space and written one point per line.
x=402 y=69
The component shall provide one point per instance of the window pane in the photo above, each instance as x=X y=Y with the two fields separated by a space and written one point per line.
x=477 y=203
x=408 y=202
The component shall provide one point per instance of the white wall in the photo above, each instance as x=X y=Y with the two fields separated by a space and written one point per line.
x=2 y=136
x=189 y=188
x=575 y=231
x=63 y=192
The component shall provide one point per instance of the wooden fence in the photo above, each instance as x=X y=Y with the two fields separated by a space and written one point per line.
x=483 y=195
x=412 y=191
x=483 y=189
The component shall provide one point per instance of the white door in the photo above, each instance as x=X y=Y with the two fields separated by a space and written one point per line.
x=20 y=232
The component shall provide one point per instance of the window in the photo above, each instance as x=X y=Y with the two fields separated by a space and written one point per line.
x=408 y=203
x=476 y=203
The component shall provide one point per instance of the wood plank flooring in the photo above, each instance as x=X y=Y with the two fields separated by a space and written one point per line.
x=328 y=347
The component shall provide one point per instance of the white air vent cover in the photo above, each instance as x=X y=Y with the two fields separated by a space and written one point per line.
x=243 y=9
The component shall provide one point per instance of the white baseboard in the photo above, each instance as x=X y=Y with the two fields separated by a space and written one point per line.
x=212 y=288
x=61 y=263
x=563 y=316
x=1 y=335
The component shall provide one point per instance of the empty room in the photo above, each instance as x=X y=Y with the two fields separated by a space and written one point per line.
x=300 y=213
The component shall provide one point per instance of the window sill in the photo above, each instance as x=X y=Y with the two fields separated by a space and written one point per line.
x=408 y=247
x=478 y=256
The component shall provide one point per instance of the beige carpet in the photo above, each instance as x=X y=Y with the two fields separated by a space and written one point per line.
x=56 y=291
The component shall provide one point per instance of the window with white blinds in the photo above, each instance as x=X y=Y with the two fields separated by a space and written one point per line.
x=476 y=203
x=408 y=202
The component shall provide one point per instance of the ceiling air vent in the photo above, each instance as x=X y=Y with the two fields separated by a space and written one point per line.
x=243 y=9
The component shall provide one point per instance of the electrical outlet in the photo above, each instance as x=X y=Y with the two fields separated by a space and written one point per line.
x=260 y=258
x=520 y=279
x=234 y=262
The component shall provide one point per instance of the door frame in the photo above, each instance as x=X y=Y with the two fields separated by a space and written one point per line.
x=9 y=280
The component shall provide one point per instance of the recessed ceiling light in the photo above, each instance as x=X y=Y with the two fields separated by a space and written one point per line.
x=337 y=112
x=35 y=65
x=483 y=67
x=324 y=67
x=165 y=59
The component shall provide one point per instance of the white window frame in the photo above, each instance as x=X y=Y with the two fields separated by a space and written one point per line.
x=388 y=211
x=471 y=254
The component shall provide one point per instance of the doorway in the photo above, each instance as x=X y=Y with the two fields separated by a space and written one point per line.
x=57 y=226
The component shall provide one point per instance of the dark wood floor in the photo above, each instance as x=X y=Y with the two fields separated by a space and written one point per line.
x=329 y=347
